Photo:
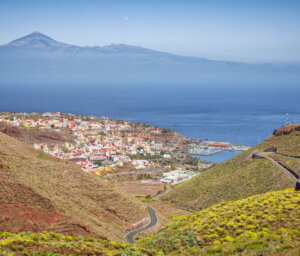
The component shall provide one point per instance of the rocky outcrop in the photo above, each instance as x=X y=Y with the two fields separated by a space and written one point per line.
x=271 y=149
x=12 y=131
x=32 y=135
x=285 y=130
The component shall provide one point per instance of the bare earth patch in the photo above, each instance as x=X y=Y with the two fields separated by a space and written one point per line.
x=167 y=210
x=137 y=188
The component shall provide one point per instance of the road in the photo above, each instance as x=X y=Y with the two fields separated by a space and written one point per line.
x=169 y=188
x=129 y=236
x=289 y=172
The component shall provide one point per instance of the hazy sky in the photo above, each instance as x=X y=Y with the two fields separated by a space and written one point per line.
x=263 y=31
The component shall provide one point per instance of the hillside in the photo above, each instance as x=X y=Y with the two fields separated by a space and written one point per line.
x=31 y=135
x=240 y=176
x=262 y=225
x=39 y=192
x=259 y=225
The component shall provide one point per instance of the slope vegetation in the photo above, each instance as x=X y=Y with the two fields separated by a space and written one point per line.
x=266 y=224
x=39 y=192
x=239 y=177
x=259 y=225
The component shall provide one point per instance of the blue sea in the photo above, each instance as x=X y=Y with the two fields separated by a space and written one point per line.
x=239 y=115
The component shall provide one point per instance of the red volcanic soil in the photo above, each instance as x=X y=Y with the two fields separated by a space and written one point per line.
x=59 y=192
x=21 y=209
x=285 y=130
x=20 y=217
x=31 y=135
x=12 y=131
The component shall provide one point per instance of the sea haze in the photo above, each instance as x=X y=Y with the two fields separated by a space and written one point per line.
x=240 y=116
x=37 y=58
x=205 y=99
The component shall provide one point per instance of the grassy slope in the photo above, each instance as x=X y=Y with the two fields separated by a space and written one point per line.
x=287 y=144
x=239 y=177
x=266 y=224
x=259 y=225
x=86 y=199
x=292 y=163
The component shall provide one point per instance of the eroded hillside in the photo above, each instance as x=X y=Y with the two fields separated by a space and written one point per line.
x=39 y=192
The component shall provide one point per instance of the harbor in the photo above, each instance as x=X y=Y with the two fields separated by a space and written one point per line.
x=213 y=151
x=207 y=148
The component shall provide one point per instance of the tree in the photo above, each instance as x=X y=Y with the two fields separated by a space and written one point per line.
x=98 y=162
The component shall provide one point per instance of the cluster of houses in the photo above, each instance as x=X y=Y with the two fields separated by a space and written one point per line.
x=99 y=144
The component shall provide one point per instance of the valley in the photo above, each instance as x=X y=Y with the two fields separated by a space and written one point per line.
x=51 y=203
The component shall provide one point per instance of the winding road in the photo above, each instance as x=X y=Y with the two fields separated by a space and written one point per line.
x=129 y=236
x=289 y=172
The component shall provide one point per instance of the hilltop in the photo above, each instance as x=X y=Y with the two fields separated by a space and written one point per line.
x=39 y=192
x=242 y=175
x=265 y=224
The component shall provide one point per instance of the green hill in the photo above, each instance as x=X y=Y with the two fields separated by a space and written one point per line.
x=267 y=224
x=239 y=177
x=259 y=225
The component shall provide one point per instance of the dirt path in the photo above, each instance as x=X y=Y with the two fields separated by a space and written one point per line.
x=161 y=194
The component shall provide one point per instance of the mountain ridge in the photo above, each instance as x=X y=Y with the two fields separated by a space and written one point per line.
x=37 y=58
x=40 y=40
x=35 y=39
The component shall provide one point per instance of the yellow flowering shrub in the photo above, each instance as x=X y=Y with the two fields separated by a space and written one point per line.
x=238 y=226
x=265 y=224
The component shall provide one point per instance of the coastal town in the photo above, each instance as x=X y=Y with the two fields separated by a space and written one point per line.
x=102 y=145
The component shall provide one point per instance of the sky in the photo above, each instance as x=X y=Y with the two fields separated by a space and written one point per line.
x=240 y=30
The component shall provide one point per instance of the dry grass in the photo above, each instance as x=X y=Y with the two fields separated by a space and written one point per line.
x=85 y=198
x=286 y=144
x=259 y=225
x=266 y=224
x=237 y=178
x=142 y=188
x=167 y=210
x=291 y=163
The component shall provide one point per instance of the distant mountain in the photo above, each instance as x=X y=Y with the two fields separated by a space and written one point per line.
x=36 y=40
x=43 y=42
x=37 y=58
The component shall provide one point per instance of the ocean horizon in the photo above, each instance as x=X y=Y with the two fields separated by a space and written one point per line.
x=242 y=116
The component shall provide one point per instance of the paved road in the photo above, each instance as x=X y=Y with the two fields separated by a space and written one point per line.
x=153 y=218
x=297 y=157
x=289 y=172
